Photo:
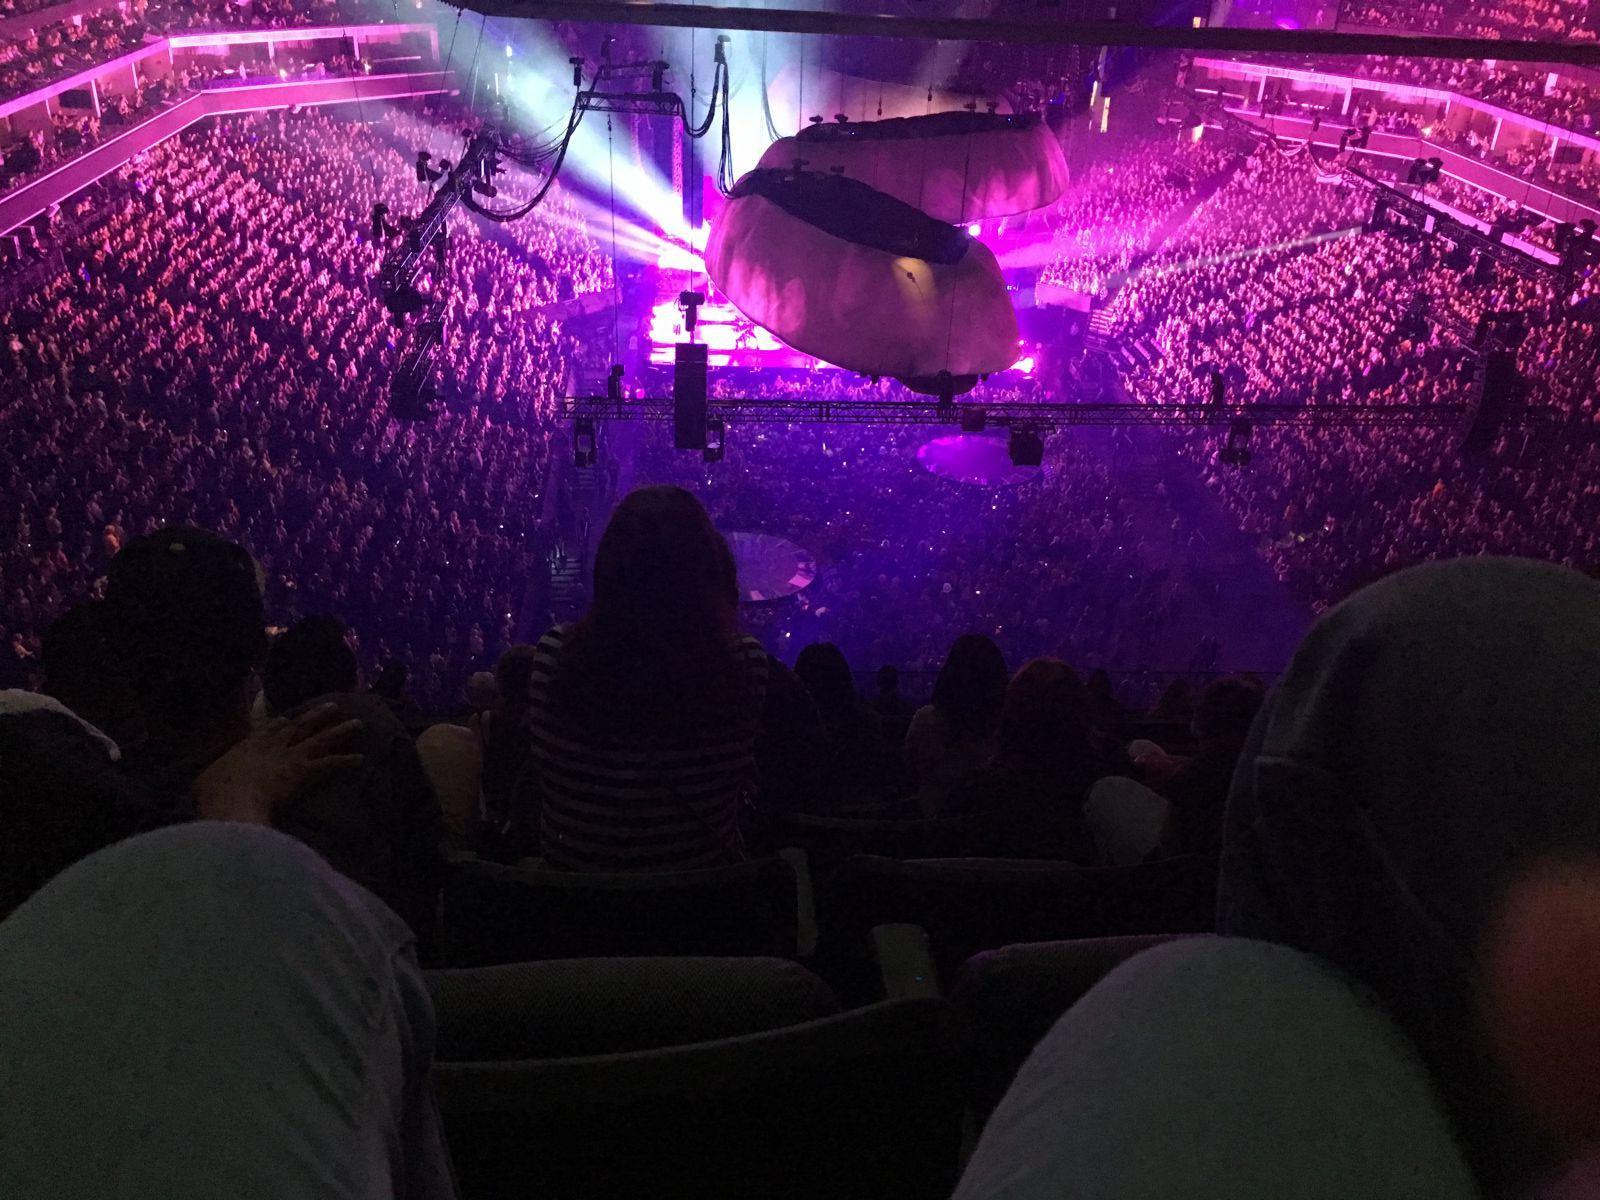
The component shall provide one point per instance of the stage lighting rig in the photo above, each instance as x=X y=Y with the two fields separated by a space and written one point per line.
x=1236 y=451
x=689 y=305
x=585 y=449
x=382 y=230
x=716 y=440
x=1026 y=447
x=400 y=276
x=415 y=386
x=427 y=173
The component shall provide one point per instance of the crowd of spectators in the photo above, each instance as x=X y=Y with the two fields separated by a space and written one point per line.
x=215 y=354
x=1402 y=839
x=22 y=8
x=909 y=560
x=38 y=56
x=1120 y=200
x=214 y=918
x=72 y=132
x=1337 y=320
x=1560 y=102
x=62 y=48
x=1548 y=20
x=1564 y=101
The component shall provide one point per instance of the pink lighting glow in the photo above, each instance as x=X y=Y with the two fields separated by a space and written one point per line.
x=674 y=257
x=731 y=338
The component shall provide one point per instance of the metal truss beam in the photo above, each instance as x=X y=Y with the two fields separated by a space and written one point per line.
x=756 y=410
x=644 y=103
x=1030 y=33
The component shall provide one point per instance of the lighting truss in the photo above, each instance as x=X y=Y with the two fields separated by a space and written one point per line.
x=1018 y=414
x=424 y=235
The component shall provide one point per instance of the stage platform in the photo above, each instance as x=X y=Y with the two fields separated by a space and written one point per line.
x=770 y=568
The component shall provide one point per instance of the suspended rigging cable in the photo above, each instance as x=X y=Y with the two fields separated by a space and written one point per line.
x=616 y=284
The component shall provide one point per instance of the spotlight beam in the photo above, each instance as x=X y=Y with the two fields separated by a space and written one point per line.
x=1024 y=33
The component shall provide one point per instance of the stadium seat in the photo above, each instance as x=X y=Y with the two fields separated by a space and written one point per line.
x=862 y=1105
x=974 y=904
x=828 y=841
x=571 y=1007
x=1007 y=999
x=498 y=914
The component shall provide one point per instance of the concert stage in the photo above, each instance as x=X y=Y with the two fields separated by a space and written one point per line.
x=770 y=568
x=980 y=458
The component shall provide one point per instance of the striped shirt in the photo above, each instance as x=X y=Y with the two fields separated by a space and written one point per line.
x=608 y=805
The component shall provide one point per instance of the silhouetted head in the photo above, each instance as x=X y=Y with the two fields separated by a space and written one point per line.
x=391 y=680
x=311 y=658
x=1226 y=711
x=822 y=667
x=655 y=654
x=81 y=671
x=183 y=614
x=1047 y=715
x=971 y=687
x=481 y=691
x=662 y=573
x=513 y=679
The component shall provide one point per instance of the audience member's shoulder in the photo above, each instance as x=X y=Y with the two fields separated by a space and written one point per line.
x=447 y=738
x=259 y=875
x=40 y=718
x=1212 y=1067
x=1280 y=1022
x=1236 y=982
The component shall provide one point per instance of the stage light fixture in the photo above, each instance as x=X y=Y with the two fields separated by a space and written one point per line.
x=426 y=173
x=585 y=451
x=973 y=419
x=716 y=439
x=1236 y=451
x=689 y=303
x=1026 y=448
x=1424 y=171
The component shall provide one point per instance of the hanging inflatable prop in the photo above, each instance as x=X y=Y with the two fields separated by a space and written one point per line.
x=862 y=280
x=956 y=166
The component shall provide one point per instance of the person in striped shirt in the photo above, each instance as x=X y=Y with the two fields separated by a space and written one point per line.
x=646 y=714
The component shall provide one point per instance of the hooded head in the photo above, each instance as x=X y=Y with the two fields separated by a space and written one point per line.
x=1434 y=743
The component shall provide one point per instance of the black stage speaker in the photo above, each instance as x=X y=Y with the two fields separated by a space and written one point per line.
x=1496 y=398
x=689 y=396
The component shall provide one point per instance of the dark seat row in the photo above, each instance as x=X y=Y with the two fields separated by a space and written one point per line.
x=732 y=1077
x=499 y=914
